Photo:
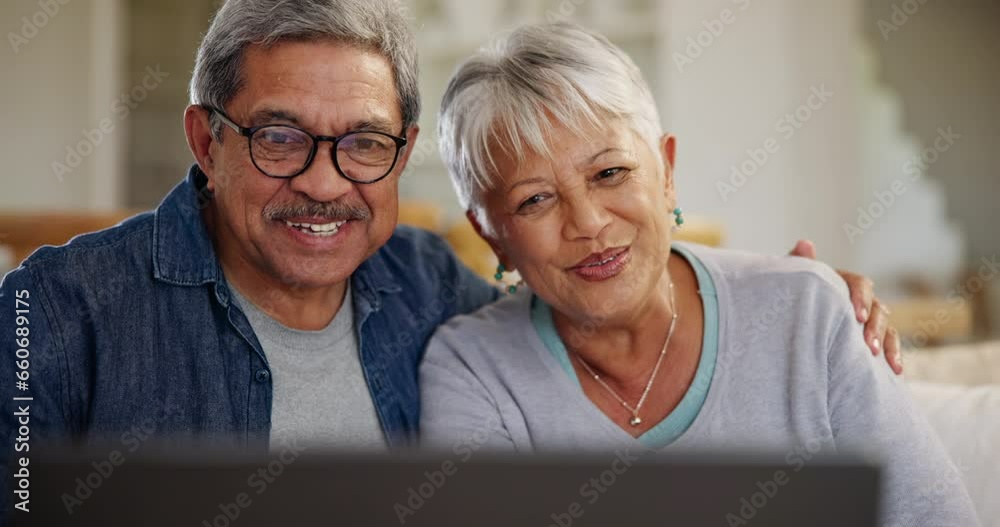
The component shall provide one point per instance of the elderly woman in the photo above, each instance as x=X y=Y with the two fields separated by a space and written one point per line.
x=622 y=338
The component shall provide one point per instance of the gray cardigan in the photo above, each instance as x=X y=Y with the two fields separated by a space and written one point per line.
x=792 y=372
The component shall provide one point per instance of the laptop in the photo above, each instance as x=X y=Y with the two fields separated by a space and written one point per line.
x=461 y=488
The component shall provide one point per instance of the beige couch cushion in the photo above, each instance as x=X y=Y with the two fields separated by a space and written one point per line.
x=968 y=364
x=967 y=419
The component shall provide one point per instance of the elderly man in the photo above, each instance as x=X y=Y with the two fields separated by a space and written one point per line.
x=270 y=296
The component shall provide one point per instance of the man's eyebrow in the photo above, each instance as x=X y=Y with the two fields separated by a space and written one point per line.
x=375 y=124
x=269 y=115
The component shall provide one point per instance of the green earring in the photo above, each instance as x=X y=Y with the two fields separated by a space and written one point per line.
x=499 y=276
x=678 y=217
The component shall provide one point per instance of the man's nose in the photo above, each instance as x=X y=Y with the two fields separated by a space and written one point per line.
x=322 y=181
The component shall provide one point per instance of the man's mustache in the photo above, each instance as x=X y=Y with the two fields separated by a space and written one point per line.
x=332 y=211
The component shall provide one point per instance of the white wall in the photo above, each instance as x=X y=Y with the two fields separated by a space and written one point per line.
x=763 y=65
x=56 y=85
x=944 y=62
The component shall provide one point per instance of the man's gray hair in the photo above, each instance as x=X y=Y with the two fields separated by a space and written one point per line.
x=511 y=93
x=377 y=25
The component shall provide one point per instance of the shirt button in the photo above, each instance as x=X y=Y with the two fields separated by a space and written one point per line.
x=263 y=375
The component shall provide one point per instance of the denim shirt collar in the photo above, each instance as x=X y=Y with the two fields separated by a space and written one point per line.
x=182 y=248
x=183 y=253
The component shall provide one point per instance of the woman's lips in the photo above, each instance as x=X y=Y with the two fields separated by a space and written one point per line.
x=607 y=264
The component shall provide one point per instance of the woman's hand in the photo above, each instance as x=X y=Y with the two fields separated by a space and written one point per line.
x=869 y=311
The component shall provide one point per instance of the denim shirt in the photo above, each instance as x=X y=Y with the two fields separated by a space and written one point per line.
x=132 y=333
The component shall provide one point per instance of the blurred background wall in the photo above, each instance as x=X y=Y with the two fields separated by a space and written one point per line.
x=867 y=126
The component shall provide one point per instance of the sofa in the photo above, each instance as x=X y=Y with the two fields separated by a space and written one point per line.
x=958 y=388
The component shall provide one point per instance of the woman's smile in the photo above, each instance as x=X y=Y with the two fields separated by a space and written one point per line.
x=603 y=265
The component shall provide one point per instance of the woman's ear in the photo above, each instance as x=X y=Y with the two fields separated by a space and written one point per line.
x=668 y=153
x=489 y=239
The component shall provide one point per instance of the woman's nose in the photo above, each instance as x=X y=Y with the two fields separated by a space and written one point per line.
x=585 y=218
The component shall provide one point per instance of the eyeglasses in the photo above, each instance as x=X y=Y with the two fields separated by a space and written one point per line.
x=283 y=152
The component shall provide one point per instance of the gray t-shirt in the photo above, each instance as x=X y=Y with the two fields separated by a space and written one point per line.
x=321 y=398
x=792 y=372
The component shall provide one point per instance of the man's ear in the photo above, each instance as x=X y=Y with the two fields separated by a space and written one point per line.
x=411 y=145
x=198 y=129
x=490 y=240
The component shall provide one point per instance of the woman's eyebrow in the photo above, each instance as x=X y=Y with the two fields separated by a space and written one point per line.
x=606 y=151
x=524 y=182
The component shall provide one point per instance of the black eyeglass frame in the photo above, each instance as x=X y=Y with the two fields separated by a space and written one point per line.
x=316 y=140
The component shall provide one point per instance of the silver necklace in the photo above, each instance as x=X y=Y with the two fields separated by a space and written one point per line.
x=636 y=420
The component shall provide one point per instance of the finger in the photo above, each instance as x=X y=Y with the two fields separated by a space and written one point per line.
x=862 y=294
x=875 y=328
x=805 y=249
x=894 y=351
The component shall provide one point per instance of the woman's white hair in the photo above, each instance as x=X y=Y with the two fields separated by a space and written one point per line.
x=511 y=93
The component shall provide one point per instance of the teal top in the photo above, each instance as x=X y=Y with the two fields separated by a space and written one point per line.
x=671 y=427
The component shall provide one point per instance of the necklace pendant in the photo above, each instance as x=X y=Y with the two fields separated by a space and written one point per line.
x=635 y=421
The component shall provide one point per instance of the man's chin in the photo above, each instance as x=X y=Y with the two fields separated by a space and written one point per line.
x=309 y=271
x=297 y=279
x=306 y=260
